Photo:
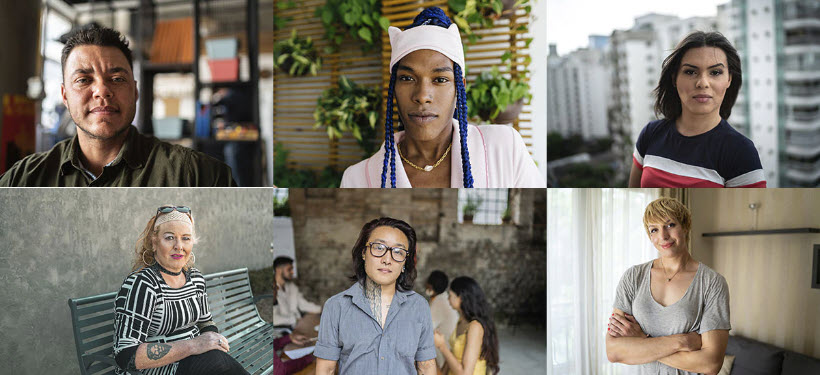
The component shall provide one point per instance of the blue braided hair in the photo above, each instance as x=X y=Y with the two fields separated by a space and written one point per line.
x=429 y=16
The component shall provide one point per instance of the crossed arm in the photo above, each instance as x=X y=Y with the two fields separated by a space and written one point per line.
x=152 y=355
x=627 y=343
x=472 y=350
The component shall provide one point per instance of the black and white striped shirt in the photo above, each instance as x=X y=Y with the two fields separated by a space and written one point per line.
x=149 y=310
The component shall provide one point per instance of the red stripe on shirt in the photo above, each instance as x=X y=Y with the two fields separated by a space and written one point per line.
x=652 y=177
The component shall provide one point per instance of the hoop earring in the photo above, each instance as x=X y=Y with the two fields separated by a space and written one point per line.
x=192 y=260
x=146 y=263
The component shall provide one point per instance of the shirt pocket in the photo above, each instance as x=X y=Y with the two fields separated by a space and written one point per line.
x=409 y=336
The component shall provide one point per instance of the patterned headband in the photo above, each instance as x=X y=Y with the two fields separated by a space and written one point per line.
x=173 y=216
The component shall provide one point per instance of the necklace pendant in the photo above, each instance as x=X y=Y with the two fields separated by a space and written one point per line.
x=428 y=168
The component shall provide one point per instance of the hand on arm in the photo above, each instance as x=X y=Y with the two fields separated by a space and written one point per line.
x=152 y=355
x=472 y=350
x=707 y=360
x=639 y=349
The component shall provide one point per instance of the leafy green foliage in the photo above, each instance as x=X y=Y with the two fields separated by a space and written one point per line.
x=353 y=108
x=472 y=204
x=354 y=19
x=296 y=56
x=491 y=93
x=471 y=13
x=279 y=22
x=285 y=176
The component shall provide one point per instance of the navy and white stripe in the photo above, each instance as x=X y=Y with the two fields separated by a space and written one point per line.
x=149 y=310
x=721 y=157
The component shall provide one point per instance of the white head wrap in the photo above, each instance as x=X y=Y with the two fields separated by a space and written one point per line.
x=173 y=216
x=432 y=37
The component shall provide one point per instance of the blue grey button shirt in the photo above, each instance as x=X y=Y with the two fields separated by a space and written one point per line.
x=350 y=334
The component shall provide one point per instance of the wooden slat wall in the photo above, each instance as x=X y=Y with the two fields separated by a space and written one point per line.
x=295 y=98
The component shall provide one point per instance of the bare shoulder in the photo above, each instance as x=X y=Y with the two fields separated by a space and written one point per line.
x=475 y=327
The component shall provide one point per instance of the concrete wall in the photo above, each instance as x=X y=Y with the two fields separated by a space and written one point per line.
x=509 y=261
x=63 y=243
x=768 y=275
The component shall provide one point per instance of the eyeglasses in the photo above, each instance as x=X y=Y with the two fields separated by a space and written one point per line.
x=379 y=249
x=168 y=209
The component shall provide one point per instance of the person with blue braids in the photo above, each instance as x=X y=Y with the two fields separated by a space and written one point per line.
x=438 y=148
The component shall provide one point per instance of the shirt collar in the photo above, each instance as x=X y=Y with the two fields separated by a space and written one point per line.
x=133 y=151
x=357 y=292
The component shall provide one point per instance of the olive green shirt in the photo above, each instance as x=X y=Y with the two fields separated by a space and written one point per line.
x=142 y=161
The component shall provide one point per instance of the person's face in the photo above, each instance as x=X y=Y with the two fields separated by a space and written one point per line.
x=99 y=91
x=428 y=290
x=173 y=244
x=287 y=272
x=425 y=93
x=702 y=80
x=384 y=270
x=668 y=237
x=455 y=301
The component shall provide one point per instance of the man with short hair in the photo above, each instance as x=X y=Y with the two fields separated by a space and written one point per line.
x=444 y=316
x=292 y=304
x=101 y=95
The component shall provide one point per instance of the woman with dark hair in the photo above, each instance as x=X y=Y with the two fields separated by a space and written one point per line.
x=162 y=321
x=474 y=343
x=693 y=145
x=438 y=148
x=378 y=325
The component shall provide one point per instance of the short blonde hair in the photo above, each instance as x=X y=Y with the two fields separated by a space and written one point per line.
x=662 y=209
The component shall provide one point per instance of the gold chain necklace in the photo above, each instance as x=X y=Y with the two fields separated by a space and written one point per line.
x=668 y=279
x=429 y=167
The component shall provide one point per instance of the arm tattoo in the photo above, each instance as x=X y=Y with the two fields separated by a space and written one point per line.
x=421 y=367
x=373 y=293
x=157 y=351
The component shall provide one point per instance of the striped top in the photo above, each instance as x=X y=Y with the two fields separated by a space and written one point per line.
x=721 y=157
x=149 y=310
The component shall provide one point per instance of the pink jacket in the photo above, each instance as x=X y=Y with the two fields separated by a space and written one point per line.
x=498 y=159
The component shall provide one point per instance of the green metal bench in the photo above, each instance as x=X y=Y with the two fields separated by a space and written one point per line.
x=233 y=308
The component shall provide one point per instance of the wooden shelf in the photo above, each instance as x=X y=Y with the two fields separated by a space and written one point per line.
x=155 y=68
x=760 y=232
x=228 y=84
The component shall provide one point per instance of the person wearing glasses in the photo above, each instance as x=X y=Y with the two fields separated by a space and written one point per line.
x=379 y=325
x=162 y=322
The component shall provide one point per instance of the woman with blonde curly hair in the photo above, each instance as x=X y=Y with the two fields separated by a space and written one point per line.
x=671 y=314
x=162 y=321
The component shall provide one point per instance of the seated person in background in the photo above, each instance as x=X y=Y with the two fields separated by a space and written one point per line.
x=444 y=317
x=292 y=304
x=292 y=366
x=101 y=95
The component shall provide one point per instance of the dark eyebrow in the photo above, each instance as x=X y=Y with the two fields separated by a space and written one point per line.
x=436 y=70
x=710 y=67
x=118 y=69
x=385 y=242
x=83 y=71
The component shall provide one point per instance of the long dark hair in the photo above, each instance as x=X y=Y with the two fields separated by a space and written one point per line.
x=667 y=101
x=474 y=306
x=408 y=276
x=429 y=16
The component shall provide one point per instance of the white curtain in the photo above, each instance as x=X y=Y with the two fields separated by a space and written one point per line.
x=593 y=236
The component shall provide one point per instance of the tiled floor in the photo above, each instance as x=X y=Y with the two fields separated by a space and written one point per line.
x=522 y=353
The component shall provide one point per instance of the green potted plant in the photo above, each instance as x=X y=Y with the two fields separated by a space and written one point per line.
x=279 y=22
x=471 y=207
x=281 y=206
x=353 y=108
x=482 y=13
x=356 y=19
x=491 y=94
x=296 y=56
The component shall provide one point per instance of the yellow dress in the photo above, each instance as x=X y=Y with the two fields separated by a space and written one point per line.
x=457 y=344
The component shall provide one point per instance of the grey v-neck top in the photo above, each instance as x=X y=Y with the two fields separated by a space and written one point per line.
x=704 y=307
x=350 y=334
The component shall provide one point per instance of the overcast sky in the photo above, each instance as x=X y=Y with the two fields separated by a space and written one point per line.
x=570 y=22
